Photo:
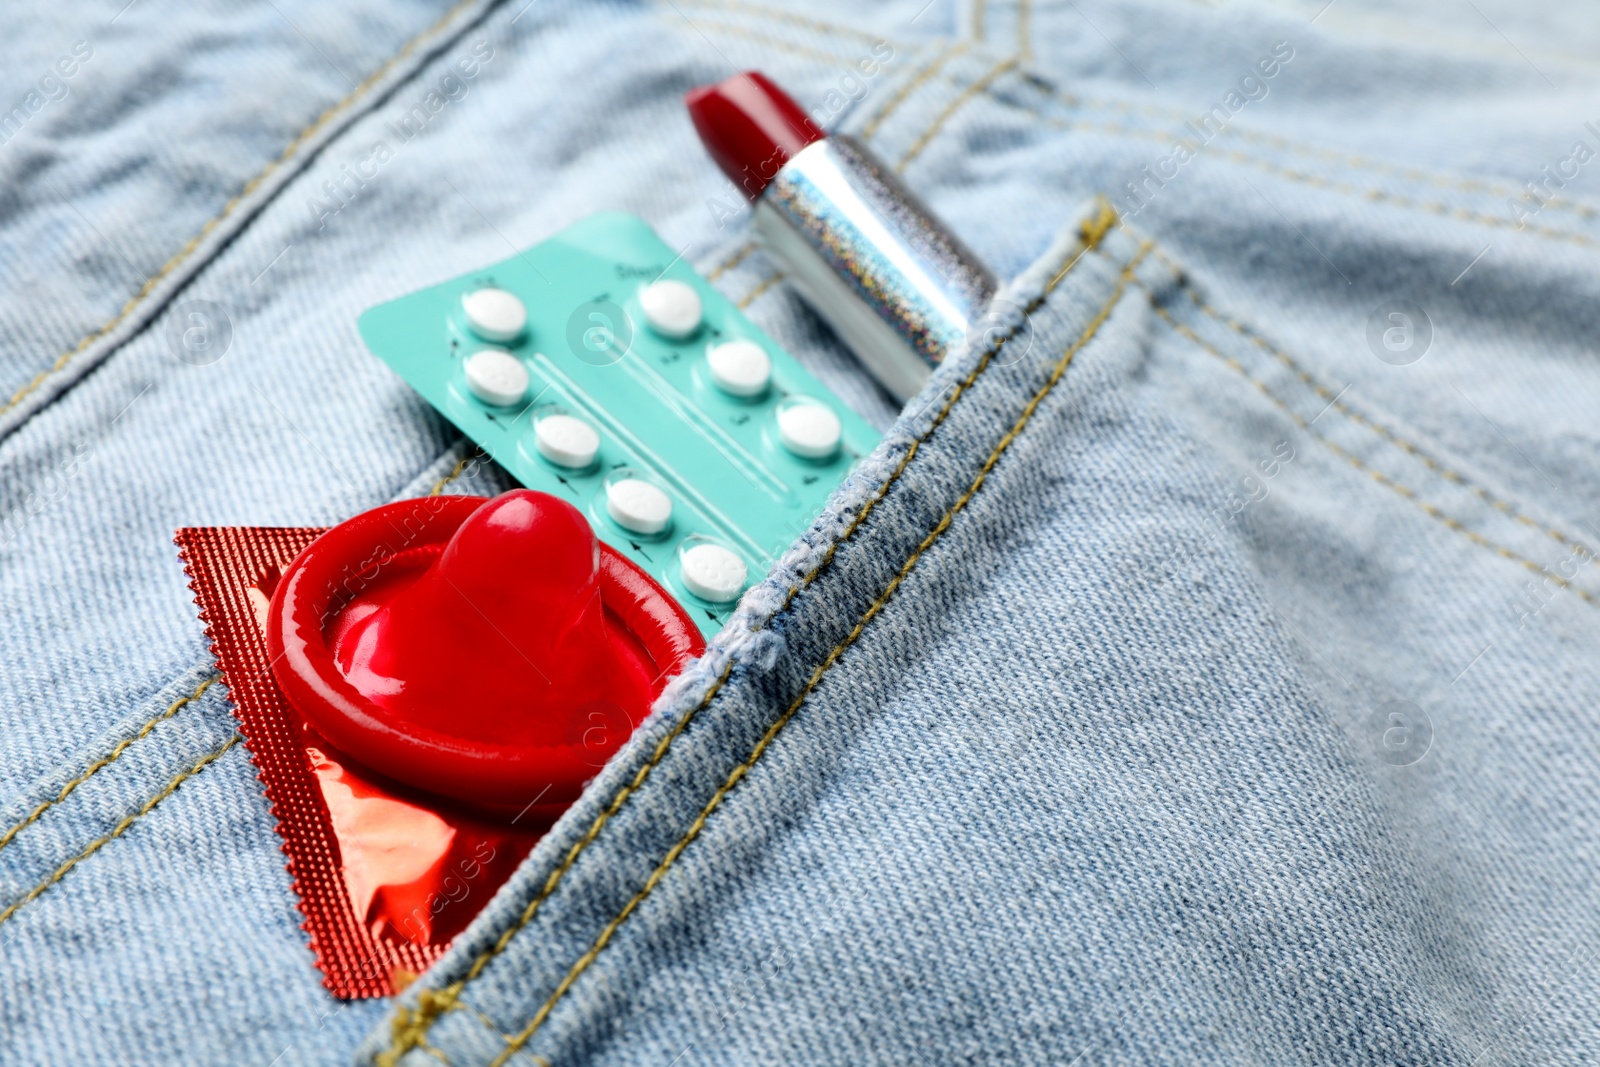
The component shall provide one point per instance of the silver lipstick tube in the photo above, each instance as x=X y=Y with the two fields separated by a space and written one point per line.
x=893 y=283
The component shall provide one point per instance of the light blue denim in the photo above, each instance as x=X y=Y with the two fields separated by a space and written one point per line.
x=1202 y=670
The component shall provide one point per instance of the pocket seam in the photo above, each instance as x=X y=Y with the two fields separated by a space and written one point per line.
x=1090 y=331
x=929 y=70
x=1383 y=430
x=118 y=830
x=172 y=709
x=344 y=106
x=1429 y=508
x=973 y=89
x=107 y=760
x=469 y=460
x=735 y=258
x=1317 y=181
x=409 y=1027
x=755 y=294
x=830 y=30
x=736 y=30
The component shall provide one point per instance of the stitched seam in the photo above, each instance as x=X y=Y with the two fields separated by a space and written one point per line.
x=1376 y=475
x=955 y=105
x=755 y=294
x=826 y=29
x=144 y=731
x=1314 y=180
x=1408 y=173
x=489 y=1023
x=456 y=472
x=409 y=1029
x=121 y=827
x=1446 y=181
x=773 y=42
x=1438 y=466
x=732 y=261
x=228 y=208
x=172 y=709
x=105 y=761
x=738 y=774
x=912 y=84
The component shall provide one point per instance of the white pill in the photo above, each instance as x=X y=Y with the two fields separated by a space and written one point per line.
x=713 y=573
x=671 y=308
x=809 y=429
x=494 y=314
x=740 y=368
x=566 y=441
x=496 y=377
x=638 y=506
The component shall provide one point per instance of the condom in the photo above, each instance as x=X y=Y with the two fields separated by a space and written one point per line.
x=424 y=689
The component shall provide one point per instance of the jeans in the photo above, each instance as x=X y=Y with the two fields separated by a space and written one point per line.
x=1200 y=671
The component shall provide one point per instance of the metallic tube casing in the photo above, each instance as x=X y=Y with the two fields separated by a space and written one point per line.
x=872 y=260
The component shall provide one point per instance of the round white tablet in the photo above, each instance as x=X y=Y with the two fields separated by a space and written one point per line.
x=496 y=377
x=808 y=428
x=494 y=314
x=740 y=368
x=638 y=506
x=566 y=441
x=671 y=308
x=713 y=573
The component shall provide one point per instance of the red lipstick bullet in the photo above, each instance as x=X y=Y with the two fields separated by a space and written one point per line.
x=869 y=256
x=750 y=127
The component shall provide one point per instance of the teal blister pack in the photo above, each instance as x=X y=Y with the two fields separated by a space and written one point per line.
x=600 y=368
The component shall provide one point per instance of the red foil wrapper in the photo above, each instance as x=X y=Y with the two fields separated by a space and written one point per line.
x=386 y=874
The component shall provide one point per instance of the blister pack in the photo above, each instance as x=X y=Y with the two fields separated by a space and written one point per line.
x=600 y=368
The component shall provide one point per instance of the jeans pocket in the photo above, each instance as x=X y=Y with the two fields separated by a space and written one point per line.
x=964 y=773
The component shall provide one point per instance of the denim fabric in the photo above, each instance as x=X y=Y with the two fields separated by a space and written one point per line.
x=1191 y=675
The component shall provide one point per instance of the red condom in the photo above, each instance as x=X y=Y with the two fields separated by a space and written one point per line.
x=498 y=653
x=458 y=669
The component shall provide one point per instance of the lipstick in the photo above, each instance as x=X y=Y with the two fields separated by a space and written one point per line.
x=863 y=250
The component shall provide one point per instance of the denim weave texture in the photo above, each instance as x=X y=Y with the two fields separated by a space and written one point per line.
x=1201 y=670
